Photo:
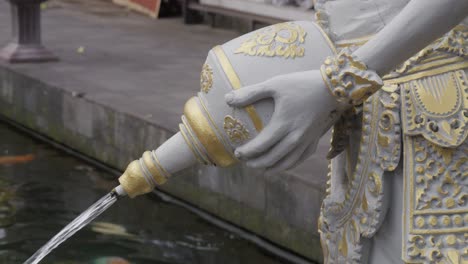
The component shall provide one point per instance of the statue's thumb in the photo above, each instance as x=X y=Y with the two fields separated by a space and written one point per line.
x=246 y=95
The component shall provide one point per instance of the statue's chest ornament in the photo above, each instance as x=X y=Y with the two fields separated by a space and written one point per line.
x=426 y=99
x=436 y=107
x=435 y=125
x=435 y=210
x=435 y=90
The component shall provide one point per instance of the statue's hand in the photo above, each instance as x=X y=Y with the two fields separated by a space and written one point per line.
x=304 y=111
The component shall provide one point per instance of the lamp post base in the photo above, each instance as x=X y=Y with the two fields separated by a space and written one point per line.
x=26 y=45
x=22 y=53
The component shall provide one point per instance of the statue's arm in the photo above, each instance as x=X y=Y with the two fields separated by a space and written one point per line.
x=415 y=27
x=305 y=108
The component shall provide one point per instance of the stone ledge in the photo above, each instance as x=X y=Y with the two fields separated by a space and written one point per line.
x=263 y=9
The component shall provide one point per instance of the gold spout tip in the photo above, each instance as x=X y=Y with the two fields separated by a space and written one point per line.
x=133 y=181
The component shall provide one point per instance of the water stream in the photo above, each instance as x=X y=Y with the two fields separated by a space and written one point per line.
x=82 y=220
x=43 y=189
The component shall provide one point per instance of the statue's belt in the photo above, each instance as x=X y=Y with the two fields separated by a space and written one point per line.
x=426 y=99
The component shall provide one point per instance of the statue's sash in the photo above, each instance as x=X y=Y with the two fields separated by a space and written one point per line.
x=355 y=205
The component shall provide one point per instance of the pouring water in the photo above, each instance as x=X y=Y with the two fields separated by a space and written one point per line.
x=78 y=223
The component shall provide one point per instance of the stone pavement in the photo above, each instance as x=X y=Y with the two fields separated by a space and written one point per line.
x=119 y=89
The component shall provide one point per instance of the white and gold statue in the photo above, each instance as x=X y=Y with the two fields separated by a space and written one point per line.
x=398 y=184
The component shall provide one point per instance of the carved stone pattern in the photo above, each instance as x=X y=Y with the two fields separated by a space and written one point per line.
x=343 y=222
x=321 y=17
x=436 y=219
x=456 y=41
x=440 y=53
x=348 y=79
x=280 y=40
x=235 y=130
x=436 y=107
x=206 y=78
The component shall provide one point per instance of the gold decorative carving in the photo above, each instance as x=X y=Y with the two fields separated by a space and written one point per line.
x=435 y=207
x=206 y=78
x=205 y=133
x=431 y=89
x=359 y=212
x=443 y=55
x=141 y=176
x=456 y=41
x=188 y=132
x=235 y=130
x=436 y=107
x=133 y=181
x=236 y=84
x=280 y=40
x=348 y=79
x=438 y=95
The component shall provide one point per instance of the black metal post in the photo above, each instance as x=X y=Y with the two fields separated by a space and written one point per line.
x=26 y=45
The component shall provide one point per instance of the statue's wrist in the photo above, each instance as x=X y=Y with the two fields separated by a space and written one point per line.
x=348 y=79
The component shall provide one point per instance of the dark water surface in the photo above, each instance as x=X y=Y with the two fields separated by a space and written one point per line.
x=43 y=189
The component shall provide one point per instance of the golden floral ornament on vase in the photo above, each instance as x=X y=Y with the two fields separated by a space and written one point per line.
x=206 y=78
x=280 y=40
x=235 y=130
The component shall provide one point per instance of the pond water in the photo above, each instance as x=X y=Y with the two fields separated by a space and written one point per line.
x=42 y=189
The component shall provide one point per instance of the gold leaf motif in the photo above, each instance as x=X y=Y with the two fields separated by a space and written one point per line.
x=456 y=41
x=438 y=95
x=280 y=40
x=444 y=55
x=435 y=107
x=364 y=204
x=375 y=184
x=435 y=203
x=356 y=210
x=235 y=130
x=206 y=78
x=383 y=141
x=348 y=79
x=343 y=245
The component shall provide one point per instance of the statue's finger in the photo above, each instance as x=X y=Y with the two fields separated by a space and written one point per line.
x=247 y=95
x=289 y=160
x=267 y=138
x=276 y=153
x=311 y=149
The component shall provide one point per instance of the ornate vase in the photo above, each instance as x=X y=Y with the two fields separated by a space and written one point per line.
x=210 y=129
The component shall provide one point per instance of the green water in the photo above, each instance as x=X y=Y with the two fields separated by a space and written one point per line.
x=40 y=194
